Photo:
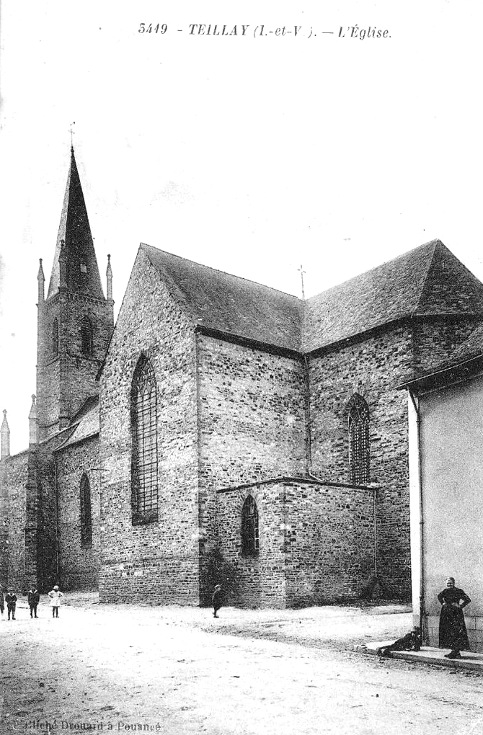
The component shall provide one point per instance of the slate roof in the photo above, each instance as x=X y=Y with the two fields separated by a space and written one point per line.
x=84 y=424
x=230 y=304
x=74 y=230
x=428 y=280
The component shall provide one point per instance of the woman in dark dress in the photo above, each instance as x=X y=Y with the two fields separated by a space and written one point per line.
x=452 y=628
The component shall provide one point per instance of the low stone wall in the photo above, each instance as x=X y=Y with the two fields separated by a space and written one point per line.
x=316 y=544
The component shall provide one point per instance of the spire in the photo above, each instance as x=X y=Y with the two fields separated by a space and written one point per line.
x=41 y=281
x=62 y=266
x=81 y=270
x=33 y=438
x=5 y=437
x=109 y=278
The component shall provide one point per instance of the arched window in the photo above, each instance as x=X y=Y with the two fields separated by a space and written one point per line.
x=55 y=337
x=144 y=464
x=87 y=341
x=359 y=454
x=250 y=540
x=85 y=512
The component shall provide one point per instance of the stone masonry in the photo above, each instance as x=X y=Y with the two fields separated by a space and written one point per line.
x=316 y=543
x=13 y=477
x=79 y=565
x=372 y=367
x=158 y=561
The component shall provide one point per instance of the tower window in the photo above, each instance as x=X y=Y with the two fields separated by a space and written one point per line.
x=85 y=513
x=55 y=337
x=87 y=340
x=144 y=464
x=82 y=278
x=359 y=454
x=250 y=540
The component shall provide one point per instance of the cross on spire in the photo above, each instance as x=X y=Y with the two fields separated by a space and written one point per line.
x=71 y=131
x=302 y=273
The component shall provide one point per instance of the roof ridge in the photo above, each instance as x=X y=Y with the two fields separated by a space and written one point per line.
x=217 y=270
x=426 y=275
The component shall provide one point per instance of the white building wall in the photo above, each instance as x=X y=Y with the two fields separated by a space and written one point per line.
x=452 y=478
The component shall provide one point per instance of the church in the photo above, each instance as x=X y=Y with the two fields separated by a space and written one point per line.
x=223 y=431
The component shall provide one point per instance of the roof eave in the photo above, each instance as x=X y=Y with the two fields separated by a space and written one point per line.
x=445 y=376
x=248 y=341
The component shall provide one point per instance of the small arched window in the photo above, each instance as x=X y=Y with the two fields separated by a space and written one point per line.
x=87 y=340
x=85 y=512
x=359 y=451
x=144 y=463
x=55 y=337
x=250 y=538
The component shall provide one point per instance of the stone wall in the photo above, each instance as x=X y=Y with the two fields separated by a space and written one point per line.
x=253 y=581
x=372 y=368
x=79 y=565
x=330 y=537
x=435 y=339
x=43 y=546
x=316 y=544
x=3 y=523
x=80 y=371
x=157 y=561
x=48 y=396
x=28 y=494
x=251 y=422
x=66 y=379
x=13 y=479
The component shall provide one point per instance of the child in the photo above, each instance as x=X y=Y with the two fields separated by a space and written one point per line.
x=55 y=597
x=33 y=600
x=216 y=600
x=11 y=600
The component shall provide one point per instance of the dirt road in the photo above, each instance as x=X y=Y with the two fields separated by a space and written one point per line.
x=176 y=670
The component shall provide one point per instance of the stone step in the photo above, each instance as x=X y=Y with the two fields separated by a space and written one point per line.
x=428 y=655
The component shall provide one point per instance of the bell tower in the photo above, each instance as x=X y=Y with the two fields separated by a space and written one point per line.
x=75 y=320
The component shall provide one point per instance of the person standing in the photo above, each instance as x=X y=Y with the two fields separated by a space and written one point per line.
x=2 y=605
x=452 y=627
x=11 y=600
x=217 y=600
x=55 y=598
x=33 y=600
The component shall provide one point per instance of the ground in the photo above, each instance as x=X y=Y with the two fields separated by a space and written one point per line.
x=174 y=670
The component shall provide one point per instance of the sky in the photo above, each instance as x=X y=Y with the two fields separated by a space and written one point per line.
x=254 y=153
